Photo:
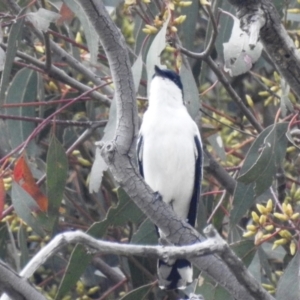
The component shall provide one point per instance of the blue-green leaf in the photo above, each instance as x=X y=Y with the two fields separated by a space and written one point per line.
x=12 y=47
x=289 y=284
x=23 y=89
x=57 y=172
x=157 y=46
x=269 y=157
x=24 y=206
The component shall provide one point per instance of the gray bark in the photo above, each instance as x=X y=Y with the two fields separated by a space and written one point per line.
x=15 y=286
x=119 y=154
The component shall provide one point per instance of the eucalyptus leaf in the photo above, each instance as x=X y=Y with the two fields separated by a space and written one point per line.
x=24 y=206
x=23 y=89
x=157 y=46
x=190 y=91
x=285 y=102
x=289 y=284
x=269 y=158
x=14 y=37
x=139 y=293
x=217 y=144
x=246 y=192
x=91 y=35
x=119 y=216
x=57 y=173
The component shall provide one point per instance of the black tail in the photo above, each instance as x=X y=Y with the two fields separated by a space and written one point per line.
x=174 y=275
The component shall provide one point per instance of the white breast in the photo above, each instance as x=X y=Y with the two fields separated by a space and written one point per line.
x=169 y=155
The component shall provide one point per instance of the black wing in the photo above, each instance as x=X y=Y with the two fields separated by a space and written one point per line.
x=197 y=183
x=139 y=150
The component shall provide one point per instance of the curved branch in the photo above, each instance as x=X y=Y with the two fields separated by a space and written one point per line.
x=119 y=154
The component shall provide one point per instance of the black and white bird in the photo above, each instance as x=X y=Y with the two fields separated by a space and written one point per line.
x=170 y=160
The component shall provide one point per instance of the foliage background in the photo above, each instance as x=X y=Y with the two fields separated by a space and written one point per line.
x=57 y=120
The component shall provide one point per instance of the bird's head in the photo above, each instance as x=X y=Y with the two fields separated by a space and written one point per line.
x=166 y=84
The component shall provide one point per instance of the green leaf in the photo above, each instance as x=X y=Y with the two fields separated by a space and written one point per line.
x=118 y=216
x=22 y=244
x=91 y=35
x=24 y=206
x=285 y=102
x=242 y=200
x=23 y=89
x=244 y=194
x=192 y=13
x=57 y=173
x=190 y=91
x=157 y=46
x=270 y=156
x=14 y=37
x=245 y=250
x=289 y=284
x=139 y=293
x=217 y=144
x=210 y=290
x=146 y=235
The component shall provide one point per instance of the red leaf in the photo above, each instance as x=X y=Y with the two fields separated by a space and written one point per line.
x=66 y=15
x=24 y=178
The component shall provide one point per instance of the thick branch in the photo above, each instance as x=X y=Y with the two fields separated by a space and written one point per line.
x=274 y=37
x=214 y=244
x=15 y=286
x=120 y=154
x=216 y=170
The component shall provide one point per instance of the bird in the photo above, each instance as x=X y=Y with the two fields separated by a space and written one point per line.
x=169 y=154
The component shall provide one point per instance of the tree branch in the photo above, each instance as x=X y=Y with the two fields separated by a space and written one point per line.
x=66 y=57
x=120 y=155
x=276 y=41
x=15 y=286
x=214 y=244
x=62 y=76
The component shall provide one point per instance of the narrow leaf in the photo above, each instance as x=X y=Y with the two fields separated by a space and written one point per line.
x=270 y=157
x=289 y=284
x=244 y=195
x=137 y=69
x=22 y=89
x=157 y=46
x=66 y=15
x=2 y=196
x=140 y=293
x=24 y=177
x=118 y=216
x=57 y=172
x=285 y=102
x=243 y=198
x=24 y=205
x=217 y=144
x=12 y=47
x=190 y=91
x=90 y=32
